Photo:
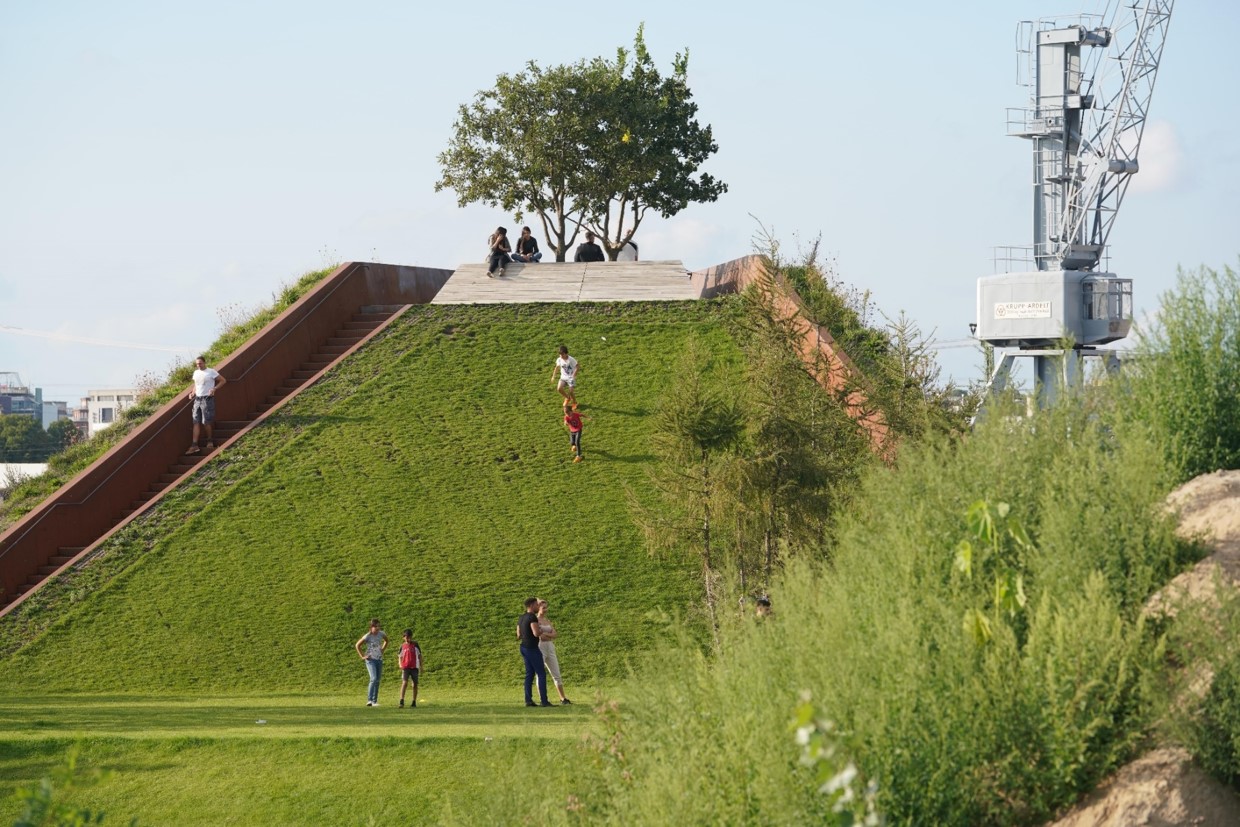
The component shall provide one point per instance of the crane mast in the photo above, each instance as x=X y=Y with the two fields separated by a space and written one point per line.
x=1090 y=81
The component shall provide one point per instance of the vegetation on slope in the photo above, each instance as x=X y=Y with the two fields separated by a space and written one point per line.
x=428 y=482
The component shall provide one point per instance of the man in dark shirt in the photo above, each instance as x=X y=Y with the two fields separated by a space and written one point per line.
x=527 y=633
x=589 y=251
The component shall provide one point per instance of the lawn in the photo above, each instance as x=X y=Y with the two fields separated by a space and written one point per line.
x=428 y=481
x=281 y=759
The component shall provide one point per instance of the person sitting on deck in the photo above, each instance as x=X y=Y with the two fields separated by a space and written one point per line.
x=589 y=251
x=527 y=248
x=500 y=248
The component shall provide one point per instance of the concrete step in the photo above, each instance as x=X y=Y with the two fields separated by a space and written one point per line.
x=331 y=350
x=168 y=478
x=343 y=341
x=304 y=375
x=46 y=570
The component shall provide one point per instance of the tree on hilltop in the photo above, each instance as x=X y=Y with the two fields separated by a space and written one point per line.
x=592 y=145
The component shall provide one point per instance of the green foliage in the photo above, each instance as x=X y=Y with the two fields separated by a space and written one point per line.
x=66 y=463
x=697 y=425
x=837 y=778
x=998 y=549
x=1186 y=377
x=595 y=143
x=801 y=456
x=898 y=372
x=1203 y=690
x=953 y=732
x=22 y=439
x=45 y=805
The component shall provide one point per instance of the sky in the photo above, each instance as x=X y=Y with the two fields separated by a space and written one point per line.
x=165 y=167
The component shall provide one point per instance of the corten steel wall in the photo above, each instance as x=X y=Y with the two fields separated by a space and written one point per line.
x=93 y=501
x=824 y=359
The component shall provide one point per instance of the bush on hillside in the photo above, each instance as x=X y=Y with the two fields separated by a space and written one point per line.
x=899 y=373
x=954 y=731
x=1186 y=377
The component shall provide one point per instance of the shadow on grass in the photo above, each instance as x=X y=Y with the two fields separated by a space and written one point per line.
x=599 y=408
x=139 y=717
x=629 y=458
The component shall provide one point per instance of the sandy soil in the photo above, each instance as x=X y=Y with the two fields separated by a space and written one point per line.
x=1164 y=788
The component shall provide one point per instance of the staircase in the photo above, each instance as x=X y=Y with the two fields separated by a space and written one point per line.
x=159 y=478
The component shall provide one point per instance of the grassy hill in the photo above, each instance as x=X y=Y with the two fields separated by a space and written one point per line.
x=428 y=481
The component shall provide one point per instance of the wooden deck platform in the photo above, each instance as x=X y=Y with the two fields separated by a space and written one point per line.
x=570 y=282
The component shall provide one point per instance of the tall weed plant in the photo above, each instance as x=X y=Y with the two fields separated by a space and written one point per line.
x=1186 y=378
x=953 y=729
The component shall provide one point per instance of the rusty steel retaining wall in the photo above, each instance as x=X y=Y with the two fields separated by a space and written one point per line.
x=820 y=353
x=89 y=505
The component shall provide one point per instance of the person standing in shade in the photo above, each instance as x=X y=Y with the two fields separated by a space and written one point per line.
x=375 y=642
x=527 y=633
x=589 y=251
x=546 y=637
x=500 y=248
x=527 y=248
x=567 y=386
x=206 y=382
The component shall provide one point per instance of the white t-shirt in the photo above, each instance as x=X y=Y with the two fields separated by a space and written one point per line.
x=628 y=252
x=204 y=381
x=374 y=644
x=568 y=368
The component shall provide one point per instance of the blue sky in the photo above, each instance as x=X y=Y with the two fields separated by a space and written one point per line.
x=161 y=161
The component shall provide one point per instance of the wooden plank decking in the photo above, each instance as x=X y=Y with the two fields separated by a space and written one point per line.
x=570 y=282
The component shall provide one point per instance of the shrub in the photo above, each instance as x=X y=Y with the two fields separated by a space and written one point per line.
x=1186 y=378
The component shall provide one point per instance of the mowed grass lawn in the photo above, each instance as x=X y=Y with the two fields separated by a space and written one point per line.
x=313 y=759
x=428 y=481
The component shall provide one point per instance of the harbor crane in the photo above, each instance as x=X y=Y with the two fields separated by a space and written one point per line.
x=1090 y=80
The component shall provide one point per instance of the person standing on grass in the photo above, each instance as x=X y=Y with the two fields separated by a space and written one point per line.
x=546 y=637
x=527 y=633
x=375 y=642
x=572 y=420
x=567 y=386
x=410 y=665
x=206 y=382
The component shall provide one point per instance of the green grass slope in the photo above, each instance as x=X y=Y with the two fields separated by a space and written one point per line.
x=427 y=481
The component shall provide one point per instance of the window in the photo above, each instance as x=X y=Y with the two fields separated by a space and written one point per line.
x=106 y=397
x=105 y=415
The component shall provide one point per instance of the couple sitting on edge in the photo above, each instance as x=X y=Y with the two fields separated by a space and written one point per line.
x=501 y=251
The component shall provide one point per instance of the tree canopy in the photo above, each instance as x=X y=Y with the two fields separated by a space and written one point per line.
x=596 y=145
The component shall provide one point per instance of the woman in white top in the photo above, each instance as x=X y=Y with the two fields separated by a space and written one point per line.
x=547 y=634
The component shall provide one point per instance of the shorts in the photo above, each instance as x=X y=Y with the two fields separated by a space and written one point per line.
x=410 y=673
x=572 y=383
x=203 y=412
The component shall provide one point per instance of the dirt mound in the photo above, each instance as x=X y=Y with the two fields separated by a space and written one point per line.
x=1160 y=789
x=1164 y=788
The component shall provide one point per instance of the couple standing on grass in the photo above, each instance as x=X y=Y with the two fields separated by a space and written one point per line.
x=537 y=635
x=370 y=648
